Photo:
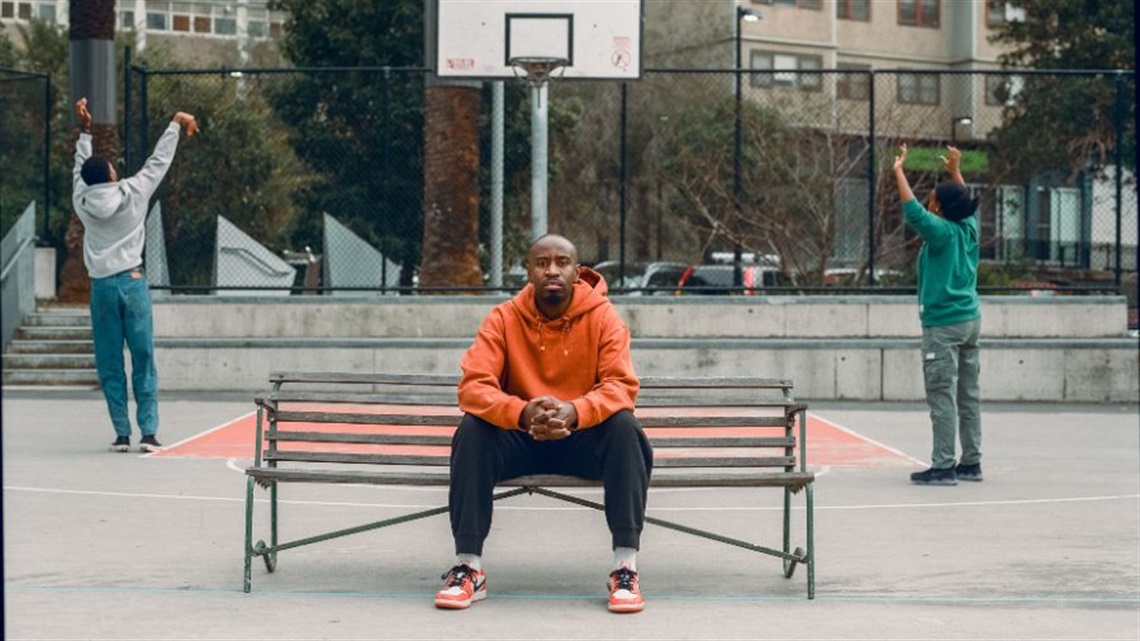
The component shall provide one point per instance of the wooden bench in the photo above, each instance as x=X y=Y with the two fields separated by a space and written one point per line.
x=395 y=429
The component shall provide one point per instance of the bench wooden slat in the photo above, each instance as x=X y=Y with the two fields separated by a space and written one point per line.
x=646 y=420
x=443 y=461
x=271 y=401
x=376 y=438
x=446 y=380
x=794 y=480
x=355 y=418
x=371 y=438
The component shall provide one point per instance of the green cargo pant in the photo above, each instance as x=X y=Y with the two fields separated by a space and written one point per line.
x=950 y=370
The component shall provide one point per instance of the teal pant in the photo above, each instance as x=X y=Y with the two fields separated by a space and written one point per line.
x=950 y=371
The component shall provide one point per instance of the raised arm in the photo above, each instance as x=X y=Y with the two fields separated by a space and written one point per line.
x=905 y=193
x=952 y=160
x=83 y=144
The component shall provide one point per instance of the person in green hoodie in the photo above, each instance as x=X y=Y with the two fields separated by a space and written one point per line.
x=950 y=312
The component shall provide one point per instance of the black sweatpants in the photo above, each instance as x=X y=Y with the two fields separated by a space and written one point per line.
x=615 y=451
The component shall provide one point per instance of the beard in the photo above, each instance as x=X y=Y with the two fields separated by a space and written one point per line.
x=552 y=299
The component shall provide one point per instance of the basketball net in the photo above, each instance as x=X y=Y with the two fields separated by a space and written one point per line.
x=538 y=69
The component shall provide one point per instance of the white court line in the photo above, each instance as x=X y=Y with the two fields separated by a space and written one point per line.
x=200 y=435
x=871 y=441
x=868 y=506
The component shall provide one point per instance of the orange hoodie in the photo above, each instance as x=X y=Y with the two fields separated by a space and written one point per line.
x=582 y=357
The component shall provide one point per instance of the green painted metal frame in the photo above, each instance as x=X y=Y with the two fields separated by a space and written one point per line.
x=791 y=558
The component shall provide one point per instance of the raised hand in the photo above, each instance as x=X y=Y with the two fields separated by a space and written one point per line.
x=82 y=114
x=188 y=121
x=900 y=158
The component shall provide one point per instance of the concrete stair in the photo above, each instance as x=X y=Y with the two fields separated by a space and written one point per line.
x=52 y=348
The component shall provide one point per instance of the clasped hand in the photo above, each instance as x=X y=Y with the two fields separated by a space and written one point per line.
x=546 y=418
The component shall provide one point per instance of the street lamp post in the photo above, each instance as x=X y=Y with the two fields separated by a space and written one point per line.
x=958 y=120
x=743 y=14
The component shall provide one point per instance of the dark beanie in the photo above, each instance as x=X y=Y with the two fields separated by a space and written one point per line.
x=955 y=201
x=96 y=170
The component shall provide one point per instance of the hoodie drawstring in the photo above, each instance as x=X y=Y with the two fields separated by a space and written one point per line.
x=564 y=334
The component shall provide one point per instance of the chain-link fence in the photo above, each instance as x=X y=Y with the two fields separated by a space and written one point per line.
x=785 y=169
x=25 y=133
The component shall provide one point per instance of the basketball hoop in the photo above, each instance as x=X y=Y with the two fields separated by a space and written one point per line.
x=537 y=68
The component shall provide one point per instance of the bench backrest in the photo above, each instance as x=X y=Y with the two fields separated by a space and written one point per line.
x=723 y=423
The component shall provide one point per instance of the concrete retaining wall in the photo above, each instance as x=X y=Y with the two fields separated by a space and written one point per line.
x=859 y=348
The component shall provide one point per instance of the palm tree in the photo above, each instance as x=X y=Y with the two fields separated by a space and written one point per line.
x=451 y=187
x=92 y=29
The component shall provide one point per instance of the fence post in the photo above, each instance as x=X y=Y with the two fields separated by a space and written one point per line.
x=47 y=154
x=873 y=175
x=1118 y=121
x=622 y=171
x=144 y=107
x=127 y=155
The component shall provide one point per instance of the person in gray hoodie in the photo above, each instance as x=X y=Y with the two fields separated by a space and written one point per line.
x=113 y=213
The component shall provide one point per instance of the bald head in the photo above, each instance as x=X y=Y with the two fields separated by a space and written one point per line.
x=552 y=267
x=553 y=241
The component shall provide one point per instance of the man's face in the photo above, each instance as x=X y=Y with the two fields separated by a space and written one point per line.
x=552 y=267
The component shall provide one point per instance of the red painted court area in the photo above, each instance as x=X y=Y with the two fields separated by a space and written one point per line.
x=828 y=444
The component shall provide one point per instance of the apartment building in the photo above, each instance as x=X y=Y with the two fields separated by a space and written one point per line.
x=206 y=33
x=789 y=41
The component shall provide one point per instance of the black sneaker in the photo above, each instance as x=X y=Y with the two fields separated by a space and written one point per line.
x=149 y=444
x=969 y=472
x=935 y=477
x=121 y=444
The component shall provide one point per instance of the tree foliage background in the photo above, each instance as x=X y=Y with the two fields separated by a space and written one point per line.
x=1080 y=114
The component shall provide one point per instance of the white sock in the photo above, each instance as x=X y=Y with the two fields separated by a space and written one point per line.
x=472 y=560
x=625 y=557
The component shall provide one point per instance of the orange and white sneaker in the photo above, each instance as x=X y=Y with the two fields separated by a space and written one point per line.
x=463 y=586
x=625 y=595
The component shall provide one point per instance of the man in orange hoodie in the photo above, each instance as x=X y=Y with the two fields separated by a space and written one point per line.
x=548 y=387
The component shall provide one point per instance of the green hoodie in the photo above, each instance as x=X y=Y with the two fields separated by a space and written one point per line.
x=947 y=267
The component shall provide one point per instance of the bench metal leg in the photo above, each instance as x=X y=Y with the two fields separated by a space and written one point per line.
x=269 y=552
x=810 y=498
x=712 y=536
x=246 y=583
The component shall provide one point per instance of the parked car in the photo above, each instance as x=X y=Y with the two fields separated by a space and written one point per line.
x=656 y=278
x=661 y=278
x=718 y=279
x=615 y=281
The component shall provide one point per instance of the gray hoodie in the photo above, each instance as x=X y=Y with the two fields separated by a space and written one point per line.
x=114 y=213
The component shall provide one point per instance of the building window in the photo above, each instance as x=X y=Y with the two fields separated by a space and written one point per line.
x=920 y=13
x=258 y=29
x=1002 y=90
x=155 y=21
x=202 y=24
x=275 y=29
x=24 y=11
x=180 y=22
x=803 y=4
x=854 y=85
x=225 y=26
x=918 y=88
x=999 y=12
x=126 y=19
x=785 y=70
x=46 y=12
x=7 y=9
x=853 y=10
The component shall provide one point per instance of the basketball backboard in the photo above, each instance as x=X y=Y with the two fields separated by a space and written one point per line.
x=599 y=39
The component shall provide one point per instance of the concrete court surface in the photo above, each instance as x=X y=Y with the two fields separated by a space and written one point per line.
x=112 y=546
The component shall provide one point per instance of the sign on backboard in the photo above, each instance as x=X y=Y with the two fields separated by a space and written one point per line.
x=597 y=38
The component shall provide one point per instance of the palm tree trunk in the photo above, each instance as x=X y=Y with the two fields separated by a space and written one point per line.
x=92 y=29
x=451 y=188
